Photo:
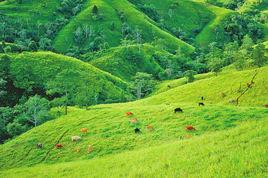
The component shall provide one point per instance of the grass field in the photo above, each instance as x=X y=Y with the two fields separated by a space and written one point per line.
x=218 y=154
x=110 y=131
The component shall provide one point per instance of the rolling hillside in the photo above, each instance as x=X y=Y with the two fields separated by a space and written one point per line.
x=109 y=11
x=125 y=61
x=110 y=131
x=221 y=152
x=36 y=69
x=133 y=88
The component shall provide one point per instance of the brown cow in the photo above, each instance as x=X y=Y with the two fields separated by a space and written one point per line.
x=58 y=145
x=133 y=121
x=129 y=113
x=150 y=127
x=84 y=130
x=190 y=127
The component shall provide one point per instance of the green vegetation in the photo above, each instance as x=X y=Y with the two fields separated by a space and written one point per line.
x=242 y=149
x=133 y=88
x=110 y=131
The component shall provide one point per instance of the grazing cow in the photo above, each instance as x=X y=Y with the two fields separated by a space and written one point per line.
x=75 y=138
x=77 y=150
x=178 y=110
x=189 y=127
x=133 y=121
x=39 y=145
x=202 y=98
x=249 y=85
x=150 y=127
x=188 y=136
x=266 y=105
x=129 y=113
x=90 y=149
x=137 y=130
x=58 y=145
x=84 y=130
x=169 y=86
x=201 y=104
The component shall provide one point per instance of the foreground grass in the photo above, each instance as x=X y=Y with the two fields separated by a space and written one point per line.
x=110 y=131
x=239 y=152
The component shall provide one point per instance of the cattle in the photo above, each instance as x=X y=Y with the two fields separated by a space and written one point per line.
x=188 y=136
x=133 y=121
x=84 y=130
x=77 y=150
x=149 y=127
x=201 y=104
x=189 y=128
x=75 y=138
x=129 y=113
x=266 y=105
x=39 y=145
x=202 y=98
x=137 y=130
x=232 y=101
x=178 y=110
x=58 y=145
x=169 y=86
x=90 y=149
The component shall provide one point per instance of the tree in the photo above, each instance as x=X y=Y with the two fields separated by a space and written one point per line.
x=215 y=65
x=88 y=95
x=6 y=116
x=3 y=91
x=143 y=84
x=15 y=128
x=37 y=110
x=79 y=36
x=189 y=75
x=95 y=10
x=259 y=58
x=66 y=84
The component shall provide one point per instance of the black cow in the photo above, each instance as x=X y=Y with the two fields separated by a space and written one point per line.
x=201 y=104
x=39 y=145
x=137 y=130
x=178 y=110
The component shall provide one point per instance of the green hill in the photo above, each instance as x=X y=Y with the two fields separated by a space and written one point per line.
x=35 y=70
x=109 y=11
x=110 y=131
x=208 y=34
x=38 y=11
x=242 y=149
x=125 y=61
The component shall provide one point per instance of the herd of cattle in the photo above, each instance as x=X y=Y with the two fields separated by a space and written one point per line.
x=132 y=121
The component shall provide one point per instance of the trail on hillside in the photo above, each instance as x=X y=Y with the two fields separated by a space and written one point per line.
x=47 y=154
x=249 y=86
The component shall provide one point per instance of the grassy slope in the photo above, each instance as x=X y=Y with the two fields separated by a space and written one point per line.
x=196 y=14
x=239 y=152
x=212 y=88
x=208 y=34
x=108 y=8
x=42 y=67
x=110 y=131
x=32 y=11
x=115 y=61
